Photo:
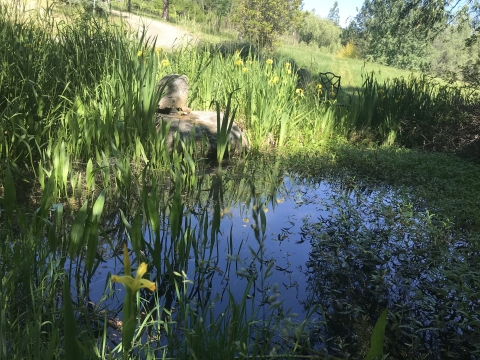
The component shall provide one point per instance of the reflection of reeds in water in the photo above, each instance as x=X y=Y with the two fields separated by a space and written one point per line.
x=183 y=315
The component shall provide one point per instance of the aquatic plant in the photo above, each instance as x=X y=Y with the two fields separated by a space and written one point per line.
x=132 y=286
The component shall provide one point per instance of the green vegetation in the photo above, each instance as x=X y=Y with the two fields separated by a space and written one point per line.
x=419 y=35
x=86 y=170
x=261 y=22
x=323 y=33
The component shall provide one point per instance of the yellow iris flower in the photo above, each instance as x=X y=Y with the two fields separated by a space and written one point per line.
x=137 y=283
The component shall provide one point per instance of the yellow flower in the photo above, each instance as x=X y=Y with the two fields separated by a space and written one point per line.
x=289 y=71
x=299 y=92
x=287 y=65
x=239 y=62
x=165 y=63
x=158 y=50
x=137 y=283
x=275 y=80
x=332 y=94
x=140 y=53
x=269 y=62
x=319 y=88
x=244 y=70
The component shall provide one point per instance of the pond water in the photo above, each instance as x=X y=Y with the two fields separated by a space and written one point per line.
x=287 y=245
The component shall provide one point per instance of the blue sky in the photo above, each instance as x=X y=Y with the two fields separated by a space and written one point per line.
x=322 y=7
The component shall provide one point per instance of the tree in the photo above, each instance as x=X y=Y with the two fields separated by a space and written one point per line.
x=166 y=4
x=397 y=32
x=262 y=21
x=322 y=32
x=449 y=52
x=334 y=14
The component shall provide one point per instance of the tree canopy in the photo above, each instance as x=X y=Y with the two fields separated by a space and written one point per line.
x=322 y=32
x=396 y=32
x=402 y=33
x=262 y=21
x=334 y=13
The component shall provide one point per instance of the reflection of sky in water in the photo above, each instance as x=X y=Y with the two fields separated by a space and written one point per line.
x=284 y=244
x=395 y=234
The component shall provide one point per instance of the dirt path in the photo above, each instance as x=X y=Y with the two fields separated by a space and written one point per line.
x=167 y=35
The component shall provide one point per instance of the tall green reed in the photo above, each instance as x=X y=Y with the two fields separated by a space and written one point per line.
x=398 y=104
x=82 y=83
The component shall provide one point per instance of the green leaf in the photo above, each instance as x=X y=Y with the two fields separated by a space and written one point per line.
x=92 y=241
x=78 y=227
x=98 y=206
x=136 y=236
x=378 y=335
x=10 y=196
x=125 y=221
x=72 y=349
x=89 y=174
x=92 y=244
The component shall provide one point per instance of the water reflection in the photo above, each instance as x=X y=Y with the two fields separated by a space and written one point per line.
x=283 y=245
x=375 y=251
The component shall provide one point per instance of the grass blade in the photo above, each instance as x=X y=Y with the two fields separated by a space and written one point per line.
x=378 y=335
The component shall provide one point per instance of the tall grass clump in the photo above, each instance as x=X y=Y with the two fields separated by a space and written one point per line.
x=394 y=108
x=267 y=95
x=83 y=84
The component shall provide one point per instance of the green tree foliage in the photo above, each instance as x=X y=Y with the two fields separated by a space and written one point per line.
x=262 y=21
x=471 y=70
x=397 y=32
x=170 y=10
x=322 y=32
x=216 y=10
x=334 y=13
x=450 y=53
x=188 y=8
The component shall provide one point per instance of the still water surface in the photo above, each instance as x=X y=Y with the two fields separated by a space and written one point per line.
x=351 y=250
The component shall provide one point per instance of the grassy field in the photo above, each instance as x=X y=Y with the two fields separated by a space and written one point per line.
x=351 y=70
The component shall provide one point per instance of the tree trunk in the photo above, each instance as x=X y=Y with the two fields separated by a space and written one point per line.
x=129 y=5
x=165 y=10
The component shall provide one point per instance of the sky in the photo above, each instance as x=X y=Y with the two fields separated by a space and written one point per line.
x=322 y=7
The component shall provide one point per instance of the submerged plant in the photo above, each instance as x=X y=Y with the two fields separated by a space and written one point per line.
x=132 y=284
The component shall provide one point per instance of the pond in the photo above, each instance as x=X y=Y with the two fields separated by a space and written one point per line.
x=316 y=259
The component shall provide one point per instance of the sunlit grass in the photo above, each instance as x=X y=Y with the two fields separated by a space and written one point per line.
x=350 y=70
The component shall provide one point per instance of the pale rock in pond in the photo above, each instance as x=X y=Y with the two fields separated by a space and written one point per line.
x=204 y=125
x=173 y=110
x=174 y=94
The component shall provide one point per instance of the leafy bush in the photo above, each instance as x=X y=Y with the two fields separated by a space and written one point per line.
x=186 y=8
x=321 y=32
x=348 y=51
x=263 y=21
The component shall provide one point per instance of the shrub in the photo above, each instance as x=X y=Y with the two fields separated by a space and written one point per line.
x=321 y=32
x=348 y=51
